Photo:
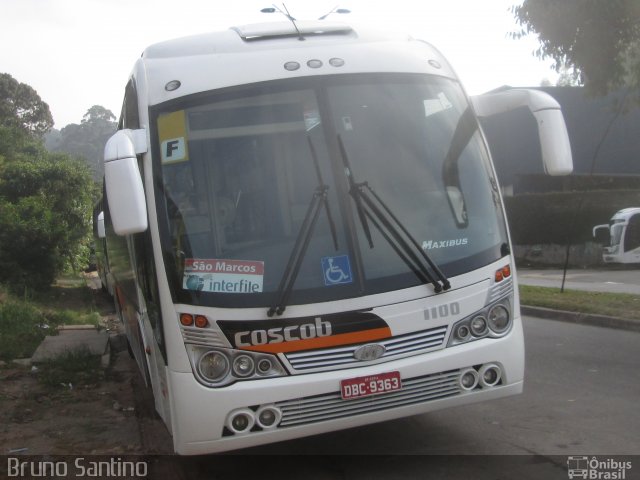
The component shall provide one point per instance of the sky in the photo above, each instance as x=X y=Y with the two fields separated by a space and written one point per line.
x=79 y=53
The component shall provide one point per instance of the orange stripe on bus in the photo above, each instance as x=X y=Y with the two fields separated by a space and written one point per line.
x=322 y=342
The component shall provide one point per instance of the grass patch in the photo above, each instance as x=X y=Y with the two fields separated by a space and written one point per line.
x=22 y=328
x=72 y=317
x=66 y=293
x=620 y=305
x=75 y=367
x=26 y=321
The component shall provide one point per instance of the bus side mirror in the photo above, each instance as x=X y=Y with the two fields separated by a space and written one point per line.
x=123 y=181
x=552 y=131
x=100 y=226
x=602 y=235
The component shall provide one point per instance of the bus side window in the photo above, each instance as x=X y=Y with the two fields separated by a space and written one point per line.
x=129 y=116
x=632 y=235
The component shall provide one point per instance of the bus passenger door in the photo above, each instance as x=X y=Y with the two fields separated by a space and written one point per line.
x=151 y=323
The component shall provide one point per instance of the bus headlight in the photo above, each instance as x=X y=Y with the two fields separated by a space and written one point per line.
x=493 y=321
x=218 y=367
x=243 y=366
x=478 y=325
x=213 y=366
x=499 y=319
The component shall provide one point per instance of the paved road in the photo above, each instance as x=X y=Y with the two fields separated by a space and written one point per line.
x=611 y=281
x=581 y=398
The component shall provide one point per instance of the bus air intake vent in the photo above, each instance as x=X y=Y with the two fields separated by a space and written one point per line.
x=343 y=357
x=500 y=290
x=202 y=336
x=319 y=408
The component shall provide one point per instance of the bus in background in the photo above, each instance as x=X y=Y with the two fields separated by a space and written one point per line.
x=621 y=237
x=306 y=232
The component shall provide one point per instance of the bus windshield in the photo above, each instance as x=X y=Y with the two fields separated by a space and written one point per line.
x=241 y=173
x=617 y=227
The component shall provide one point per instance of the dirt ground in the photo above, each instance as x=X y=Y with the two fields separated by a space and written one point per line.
x=115 y=416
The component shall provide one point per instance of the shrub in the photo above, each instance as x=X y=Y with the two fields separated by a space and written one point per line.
x=22 y=328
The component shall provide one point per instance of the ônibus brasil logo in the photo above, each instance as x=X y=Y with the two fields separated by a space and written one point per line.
x=597 y=469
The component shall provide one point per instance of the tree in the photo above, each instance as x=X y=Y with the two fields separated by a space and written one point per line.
x=567 y=78
x=88 y=138
x=599 y=40
x=45 y=216
x=21 y=107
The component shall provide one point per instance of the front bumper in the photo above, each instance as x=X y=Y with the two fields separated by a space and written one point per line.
x=311 y=403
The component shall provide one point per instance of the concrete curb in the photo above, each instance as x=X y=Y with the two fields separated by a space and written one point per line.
x=581 y=318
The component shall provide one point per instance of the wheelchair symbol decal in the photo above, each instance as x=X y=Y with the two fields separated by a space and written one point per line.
x=337 y=270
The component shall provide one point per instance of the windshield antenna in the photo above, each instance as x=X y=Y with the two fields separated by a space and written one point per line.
x=335 y=10
x=286 y=13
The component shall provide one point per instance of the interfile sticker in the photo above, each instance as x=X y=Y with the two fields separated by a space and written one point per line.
x=223 y=275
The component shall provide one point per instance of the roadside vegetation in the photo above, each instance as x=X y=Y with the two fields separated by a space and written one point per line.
x=76 y=367
x=620 y=305
x=24 y=322
x=46 y=200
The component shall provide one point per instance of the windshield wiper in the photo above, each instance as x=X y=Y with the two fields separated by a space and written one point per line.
x=318 y=200
x=370 y=206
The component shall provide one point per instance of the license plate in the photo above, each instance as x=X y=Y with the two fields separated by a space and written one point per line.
x=370 y=385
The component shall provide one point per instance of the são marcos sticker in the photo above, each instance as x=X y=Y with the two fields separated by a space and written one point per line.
x=223 y=275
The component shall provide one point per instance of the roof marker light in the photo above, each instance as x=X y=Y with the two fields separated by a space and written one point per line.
x=172 y=85
x=291 y=66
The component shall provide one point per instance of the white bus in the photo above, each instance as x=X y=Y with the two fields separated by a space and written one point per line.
x=621 y=237
x=306 y=233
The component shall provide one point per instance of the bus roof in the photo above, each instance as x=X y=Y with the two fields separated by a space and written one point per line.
x=626 y=213
x=254 y=53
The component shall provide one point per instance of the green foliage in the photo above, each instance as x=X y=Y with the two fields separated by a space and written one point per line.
x=600 y=40
x=21 y=108
x=45 y=215
x=21 y=329
x=45 y=198
x=621 y=305
x=72 y=317
x=87 y=139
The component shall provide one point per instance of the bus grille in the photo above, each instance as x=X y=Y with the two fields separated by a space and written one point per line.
x=319 y=408
x=342 y=357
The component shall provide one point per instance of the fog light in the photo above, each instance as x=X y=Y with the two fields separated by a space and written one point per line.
x=213 y=366
x=241 y=421
x=499 y=320
x=243 y=366
x=469 y=379
x=268 y=417
x=490 y=375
